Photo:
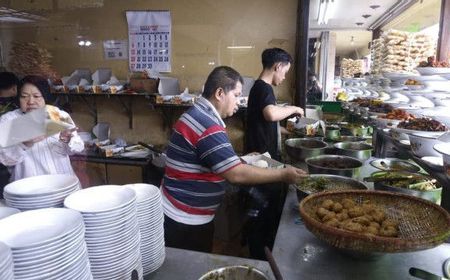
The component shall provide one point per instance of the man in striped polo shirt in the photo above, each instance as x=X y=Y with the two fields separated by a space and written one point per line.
x=200 y=160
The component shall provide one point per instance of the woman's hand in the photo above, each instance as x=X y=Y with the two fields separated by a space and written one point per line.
x=66 y=135
x=31 y=142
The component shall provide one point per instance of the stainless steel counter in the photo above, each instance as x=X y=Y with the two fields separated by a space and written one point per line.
x=300 y=255
x=190 y=265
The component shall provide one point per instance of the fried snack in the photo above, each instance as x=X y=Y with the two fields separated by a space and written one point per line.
x=327 y=204
x=348 y=203
x=356 y=211
x=365 y=218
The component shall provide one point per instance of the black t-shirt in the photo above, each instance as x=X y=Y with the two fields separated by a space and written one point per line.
x=261 y=135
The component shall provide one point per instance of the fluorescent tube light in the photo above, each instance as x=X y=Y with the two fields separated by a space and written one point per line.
x=327 y=9
x=239 y=47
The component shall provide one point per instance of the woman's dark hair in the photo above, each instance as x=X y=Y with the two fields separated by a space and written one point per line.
x=221 y=77
x=271 y=56
x=7 y=80
x=37 y=81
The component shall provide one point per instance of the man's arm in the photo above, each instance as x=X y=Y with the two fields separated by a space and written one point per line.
x=274 y=113
x=247 y=174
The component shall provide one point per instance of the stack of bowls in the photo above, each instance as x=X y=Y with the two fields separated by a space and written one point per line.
x=422 y=144
x=151 y=223
x=47 y=244
x=112 y=230
x=6 y=263
x=38 y=192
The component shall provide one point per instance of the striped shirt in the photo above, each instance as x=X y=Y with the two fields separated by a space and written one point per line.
x=49 y=156
x=198 y=152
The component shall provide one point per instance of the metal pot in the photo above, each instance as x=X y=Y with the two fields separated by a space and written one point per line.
x=334 y=164
x=301 y=148
x=332 y=132
x=239 y=272
x=357 y=150
x=353 y=184
x=356 y=131
x=432 y=195
x=347 y=138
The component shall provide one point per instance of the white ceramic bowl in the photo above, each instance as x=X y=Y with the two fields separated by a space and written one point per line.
x=144 y=191
x=444 y=149
x=41 y=185
x=425 y=71
x=422 y=144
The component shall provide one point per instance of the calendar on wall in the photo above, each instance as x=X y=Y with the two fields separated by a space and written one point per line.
x=149 y=40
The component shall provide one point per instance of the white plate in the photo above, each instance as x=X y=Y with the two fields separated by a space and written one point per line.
x=41 y=185
x=100 y=199
x=32 y=228
x=436 y=162
x=8 y=211
x=425 y=71
x=144 y=191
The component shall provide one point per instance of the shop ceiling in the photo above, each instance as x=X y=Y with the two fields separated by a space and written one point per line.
x=352 y=18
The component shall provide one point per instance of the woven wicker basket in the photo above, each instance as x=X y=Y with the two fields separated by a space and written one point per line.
x=422 y=224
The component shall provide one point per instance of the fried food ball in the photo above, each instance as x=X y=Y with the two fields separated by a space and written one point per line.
x=375 y=225
x=388 y=231
x=342 y=216
x=361 y=220
x=351 y=226
x=327 y=204
x=348 y=203
x=371 y=230
x=368 y=217
x=322 y=212
x=337 y=207
x=332 y=222
x=389 y=222
x=368 y=208
x=356 y=211
x=329 y=216
x=378 y=216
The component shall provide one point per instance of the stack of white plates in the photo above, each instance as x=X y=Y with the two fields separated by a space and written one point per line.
x=47 y=244
x=6 y=211
x=151 y=222
x=38 y=192
x=112 y=230
x=6 y=263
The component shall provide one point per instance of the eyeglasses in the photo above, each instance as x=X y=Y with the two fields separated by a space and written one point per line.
x=28 y=97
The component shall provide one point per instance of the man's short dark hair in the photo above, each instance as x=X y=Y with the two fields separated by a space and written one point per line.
x=275 y=55
x=221 y=77
x=7 y=80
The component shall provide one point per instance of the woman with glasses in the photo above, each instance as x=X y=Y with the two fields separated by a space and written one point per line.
x=44 y=154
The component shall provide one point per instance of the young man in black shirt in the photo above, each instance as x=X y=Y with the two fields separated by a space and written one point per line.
x=263 y=134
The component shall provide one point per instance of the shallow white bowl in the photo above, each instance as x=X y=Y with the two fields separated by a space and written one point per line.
x=41 y=185
x=144 y=191
x=422 y=144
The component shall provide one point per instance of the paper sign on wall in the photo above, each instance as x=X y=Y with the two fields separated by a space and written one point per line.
x=149 y=40
x=115 y=49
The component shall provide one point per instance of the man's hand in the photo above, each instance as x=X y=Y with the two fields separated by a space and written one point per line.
x=293 y=174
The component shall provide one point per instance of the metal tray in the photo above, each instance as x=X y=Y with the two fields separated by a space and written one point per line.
x=394 y=164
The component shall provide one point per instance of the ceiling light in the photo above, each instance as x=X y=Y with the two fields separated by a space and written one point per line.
x=326 y=11
x=359 y=23
x=366 y=16
x=81 y=43
x=374 y=7
x=239 y=47
x=88 y=43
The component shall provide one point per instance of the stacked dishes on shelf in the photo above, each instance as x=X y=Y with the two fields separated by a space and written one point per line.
x=6 y=263
x=38 y=192
x=151 y=222
x=46 y=244
x=112 y=230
